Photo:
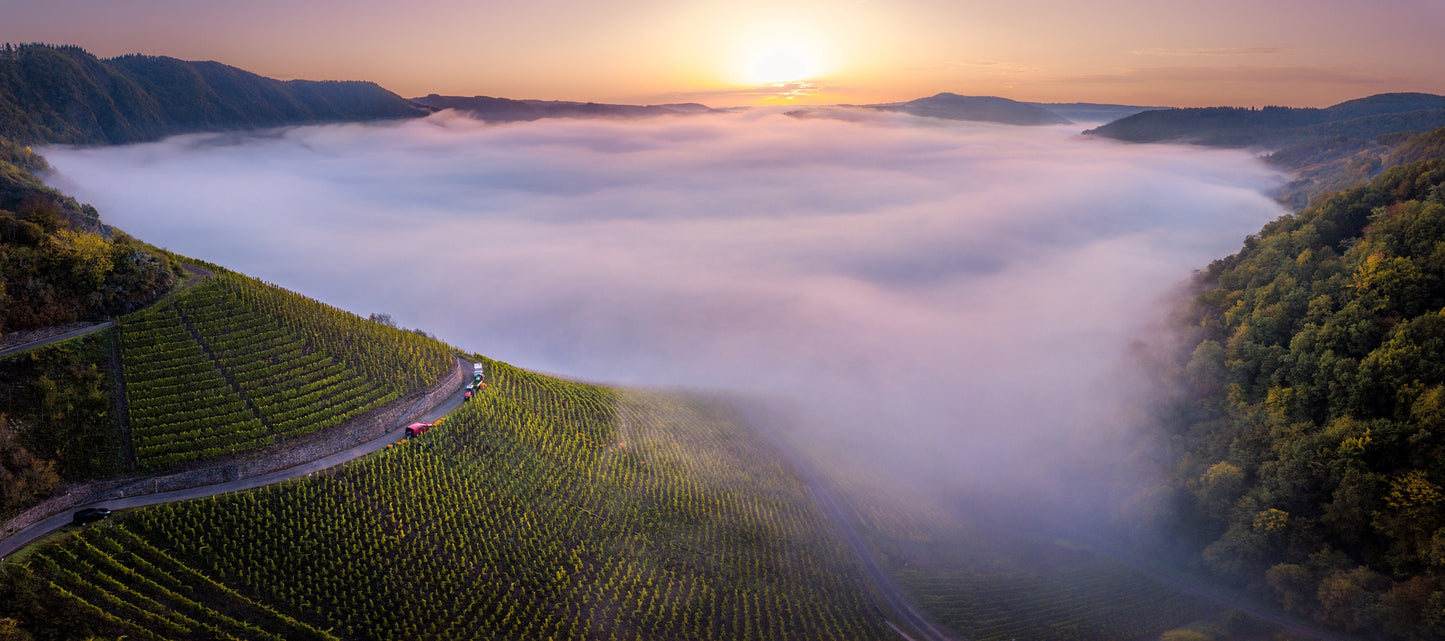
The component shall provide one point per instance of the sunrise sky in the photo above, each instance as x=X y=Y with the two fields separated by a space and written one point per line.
x=1155 y=52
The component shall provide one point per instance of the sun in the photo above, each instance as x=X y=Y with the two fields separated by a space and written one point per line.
x=780 y=64
x=779 y=53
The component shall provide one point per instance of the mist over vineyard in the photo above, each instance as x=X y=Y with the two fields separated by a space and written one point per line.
x=951 y=301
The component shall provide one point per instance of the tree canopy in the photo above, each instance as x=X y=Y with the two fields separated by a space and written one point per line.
x=1308 y=429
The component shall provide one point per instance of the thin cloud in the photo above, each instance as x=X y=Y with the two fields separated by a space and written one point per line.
x=1233 y=73
x=985 y=65
x=1228 y=51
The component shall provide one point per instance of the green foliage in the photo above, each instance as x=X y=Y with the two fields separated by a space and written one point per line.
x=58 y=402
x=65 y=95
x=1317 y=371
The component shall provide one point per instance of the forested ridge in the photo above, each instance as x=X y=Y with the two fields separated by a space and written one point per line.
x=63 y=94
x=1308 y=431
x=1277 y=127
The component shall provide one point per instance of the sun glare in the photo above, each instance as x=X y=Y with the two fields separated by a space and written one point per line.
x=781 y=64
x=779 y=53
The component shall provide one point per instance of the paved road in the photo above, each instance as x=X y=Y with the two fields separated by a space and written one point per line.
x=196 y=275
x=46 y=341
x=22 y=538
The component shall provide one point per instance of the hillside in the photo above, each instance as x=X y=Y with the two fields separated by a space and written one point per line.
x=1306 y=441
x=65 y=95
x=545 y=509
x=227 y=367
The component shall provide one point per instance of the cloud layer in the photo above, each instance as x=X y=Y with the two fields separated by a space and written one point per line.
x=952 y=299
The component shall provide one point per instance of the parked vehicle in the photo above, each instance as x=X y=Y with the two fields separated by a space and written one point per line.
x=89 y=515
x=417 y=429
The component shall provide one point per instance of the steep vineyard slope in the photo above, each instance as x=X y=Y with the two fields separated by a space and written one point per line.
x=233 y=364
x=543 y=509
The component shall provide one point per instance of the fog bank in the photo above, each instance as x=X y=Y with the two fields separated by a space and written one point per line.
x=951 y=299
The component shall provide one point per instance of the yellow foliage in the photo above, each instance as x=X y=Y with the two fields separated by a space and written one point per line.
x=1271 y=520
x=1355 y=445
x=1412 y=494
x=90 y=253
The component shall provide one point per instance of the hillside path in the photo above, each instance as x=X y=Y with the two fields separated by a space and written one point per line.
x=54 y=522
x=197 y=274
x=55 y=339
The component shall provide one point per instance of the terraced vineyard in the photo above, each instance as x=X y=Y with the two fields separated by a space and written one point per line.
x=180 y=407
x=543 y=509
x=233 y=364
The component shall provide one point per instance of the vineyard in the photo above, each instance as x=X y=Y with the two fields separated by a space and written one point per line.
x=126 y=586
x=233 y=364
x=541 y=510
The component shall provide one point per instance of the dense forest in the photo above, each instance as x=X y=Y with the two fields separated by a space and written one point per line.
x=58 y=424
x=1309 y=424
x=55 y=264
x=62 y=94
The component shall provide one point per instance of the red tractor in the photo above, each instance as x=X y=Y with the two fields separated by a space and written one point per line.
x=417 y=429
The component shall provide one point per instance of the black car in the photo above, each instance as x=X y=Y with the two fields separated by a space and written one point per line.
x=89 y=515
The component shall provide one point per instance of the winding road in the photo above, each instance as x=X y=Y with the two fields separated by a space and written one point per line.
x=24 y=537
x=55 y=339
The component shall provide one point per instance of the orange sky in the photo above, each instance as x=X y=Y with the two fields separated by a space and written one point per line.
x=1155 y=52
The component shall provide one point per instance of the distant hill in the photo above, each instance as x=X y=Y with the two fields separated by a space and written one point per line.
x=952 y=106
x=63 y=94
x=508 y=110
x=1281 y=127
